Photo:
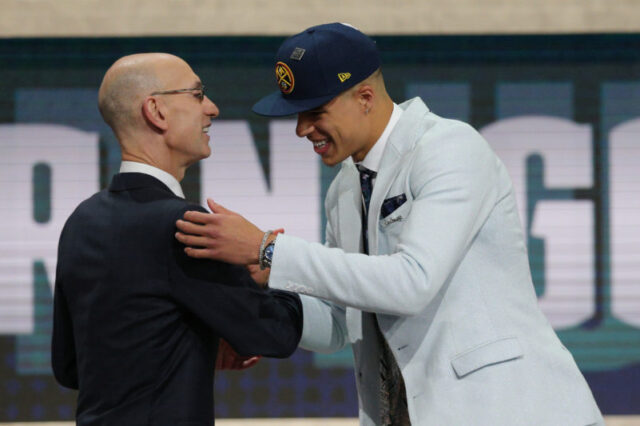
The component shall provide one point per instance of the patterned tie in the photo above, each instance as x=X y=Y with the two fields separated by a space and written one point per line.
x=393 y=396
x=366 y=184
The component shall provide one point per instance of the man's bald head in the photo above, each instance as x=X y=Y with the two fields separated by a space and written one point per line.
x=125 y=85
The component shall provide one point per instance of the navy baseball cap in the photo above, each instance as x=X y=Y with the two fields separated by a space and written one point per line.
x=316 y=65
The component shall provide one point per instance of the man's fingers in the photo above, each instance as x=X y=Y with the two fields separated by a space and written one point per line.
x=212 y=205
x=242 y=363
x=229 y=359
x=199 y=253
x=190 y=228
x=218 y=208
x=193 y=240
x=197 y=217
x=249 y=362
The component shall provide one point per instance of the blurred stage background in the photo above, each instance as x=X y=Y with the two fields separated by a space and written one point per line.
x=554 y=87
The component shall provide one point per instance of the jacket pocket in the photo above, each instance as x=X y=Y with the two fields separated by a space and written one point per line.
x=391 y=204
x=398 y=215
x=490 y=353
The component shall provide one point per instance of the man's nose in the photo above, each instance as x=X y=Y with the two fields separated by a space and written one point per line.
x=211 y=109
x=304 y=127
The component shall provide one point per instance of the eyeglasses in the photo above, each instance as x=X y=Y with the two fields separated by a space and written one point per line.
x=200 y=92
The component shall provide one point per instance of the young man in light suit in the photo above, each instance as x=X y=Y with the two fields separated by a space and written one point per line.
x=435 y=295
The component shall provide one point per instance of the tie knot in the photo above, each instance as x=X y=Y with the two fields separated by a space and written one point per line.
x=366 y=173
x=366 y=184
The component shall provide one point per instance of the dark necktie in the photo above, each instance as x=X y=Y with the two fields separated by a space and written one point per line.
x=393 y=396
x=366 y=184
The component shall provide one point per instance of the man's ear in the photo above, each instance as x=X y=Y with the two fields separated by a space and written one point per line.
x=154 y=112
x=366 y=95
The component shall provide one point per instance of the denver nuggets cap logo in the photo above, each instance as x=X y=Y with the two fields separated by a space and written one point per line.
x=284 y=78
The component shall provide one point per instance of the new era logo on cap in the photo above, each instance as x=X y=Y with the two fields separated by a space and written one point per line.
x=344 y=76
x=311 y=68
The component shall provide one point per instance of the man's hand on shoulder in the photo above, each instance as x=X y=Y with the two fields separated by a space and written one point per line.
x=221 y=235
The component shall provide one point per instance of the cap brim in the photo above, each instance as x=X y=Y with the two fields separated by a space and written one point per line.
x=276 y=105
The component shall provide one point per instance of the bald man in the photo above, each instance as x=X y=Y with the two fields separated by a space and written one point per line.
x=137 y=324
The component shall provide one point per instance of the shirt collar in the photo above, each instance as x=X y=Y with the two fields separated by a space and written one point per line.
x=161 y=175
x=374 y=156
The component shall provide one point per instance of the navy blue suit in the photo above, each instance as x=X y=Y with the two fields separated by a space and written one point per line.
x=137 y=322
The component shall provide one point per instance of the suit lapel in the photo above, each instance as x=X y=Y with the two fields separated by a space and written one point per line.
x=349 y=209
x=400 y=144
x=388 y=170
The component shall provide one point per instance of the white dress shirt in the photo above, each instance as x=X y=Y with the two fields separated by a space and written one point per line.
x=374 y=156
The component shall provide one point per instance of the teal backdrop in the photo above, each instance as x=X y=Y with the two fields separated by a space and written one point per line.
x=483 y=80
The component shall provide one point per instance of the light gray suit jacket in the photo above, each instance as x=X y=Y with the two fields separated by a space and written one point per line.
x=448 y=280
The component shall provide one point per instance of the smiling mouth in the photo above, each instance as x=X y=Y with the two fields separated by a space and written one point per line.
x=321 y=147
x=206 y=129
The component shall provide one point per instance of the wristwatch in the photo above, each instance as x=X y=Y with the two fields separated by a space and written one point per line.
x=267 y=255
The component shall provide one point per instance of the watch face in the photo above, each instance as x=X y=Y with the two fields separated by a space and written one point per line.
x=268 y=251
x=266 y=258
x=267 y=254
